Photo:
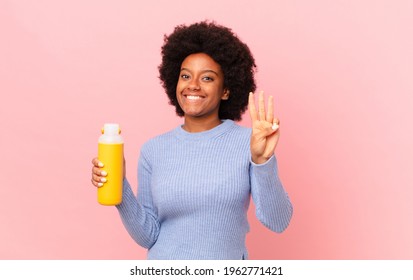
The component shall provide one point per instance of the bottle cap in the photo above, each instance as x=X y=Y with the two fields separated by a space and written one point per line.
x=111 y=129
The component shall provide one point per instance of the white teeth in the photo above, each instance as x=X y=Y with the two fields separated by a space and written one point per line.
x=193 y=97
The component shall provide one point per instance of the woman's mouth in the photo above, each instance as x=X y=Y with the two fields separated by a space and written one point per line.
x=193 y=97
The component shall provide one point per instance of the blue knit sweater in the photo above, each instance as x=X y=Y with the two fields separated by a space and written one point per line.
x=194 y=192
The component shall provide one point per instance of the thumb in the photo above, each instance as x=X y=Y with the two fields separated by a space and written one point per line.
x=270 y=129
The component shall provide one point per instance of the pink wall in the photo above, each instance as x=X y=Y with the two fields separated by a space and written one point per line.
x=341 y=73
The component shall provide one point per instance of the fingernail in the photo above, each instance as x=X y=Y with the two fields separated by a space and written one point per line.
x=103 y=173
x=103 y=180
x=100 y=164
x=275 y=126
x=100 y=184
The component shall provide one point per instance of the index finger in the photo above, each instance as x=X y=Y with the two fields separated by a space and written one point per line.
x=251 y=107
x=96 y=162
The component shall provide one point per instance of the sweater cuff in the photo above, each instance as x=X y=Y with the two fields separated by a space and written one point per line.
x=266 y=174
x=269 y=166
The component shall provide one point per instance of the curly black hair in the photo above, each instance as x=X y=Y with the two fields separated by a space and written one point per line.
x=225 y=48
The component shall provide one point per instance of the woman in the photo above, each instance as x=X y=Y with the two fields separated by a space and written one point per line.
x=195 y=181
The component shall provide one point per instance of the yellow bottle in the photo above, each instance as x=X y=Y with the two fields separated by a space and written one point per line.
x=110 y=153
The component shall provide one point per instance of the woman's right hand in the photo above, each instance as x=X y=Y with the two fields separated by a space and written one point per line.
x=98 y=175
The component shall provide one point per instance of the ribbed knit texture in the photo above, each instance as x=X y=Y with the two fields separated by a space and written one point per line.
x=194 y=192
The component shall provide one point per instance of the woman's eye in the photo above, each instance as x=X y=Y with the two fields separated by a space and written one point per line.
x=184 y=76
x=207 y=79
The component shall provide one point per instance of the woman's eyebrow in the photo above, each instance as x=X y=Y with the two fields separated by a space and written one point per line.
x=203 y=71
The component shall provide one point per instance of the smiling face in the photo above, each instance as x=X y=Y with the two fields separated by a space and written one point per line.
x=200 y=87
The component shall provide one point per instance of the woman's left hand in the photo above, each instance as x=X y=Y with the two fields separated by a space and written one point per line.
x=265 y=129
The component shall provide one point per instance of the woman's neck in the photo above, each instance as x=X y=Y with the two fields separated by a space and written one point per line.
x=198 y=125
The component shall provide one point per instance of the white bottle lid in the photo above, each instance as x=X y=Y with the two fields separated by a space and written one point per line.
x=111 y=129
x=111 y=134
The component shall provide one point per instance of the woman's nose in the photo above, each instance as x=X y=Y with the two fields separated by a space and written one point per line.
x=193 y=85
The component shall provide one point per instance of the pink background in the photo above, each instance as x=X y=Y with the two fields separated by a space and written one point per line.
x=341 y=74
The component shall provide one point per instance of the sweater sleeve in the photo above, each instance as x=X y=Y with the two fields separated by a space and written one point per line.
x=138 y=213
x=272 y=204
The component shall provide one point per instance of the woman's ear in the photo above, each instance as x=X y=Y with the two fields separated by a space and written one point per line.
x=225 y=96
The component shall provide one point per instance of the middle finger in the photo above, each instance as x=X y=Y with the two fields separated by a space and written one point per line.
x=98 y=171
x=270 y=109
x=261 y=106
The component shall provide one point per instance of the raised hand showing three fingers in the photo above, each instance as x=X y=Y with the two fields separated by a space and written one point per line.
x=265 y=129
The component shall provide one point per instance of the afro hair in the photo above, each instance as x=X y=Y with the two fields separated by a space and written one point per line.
x=225 y=48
